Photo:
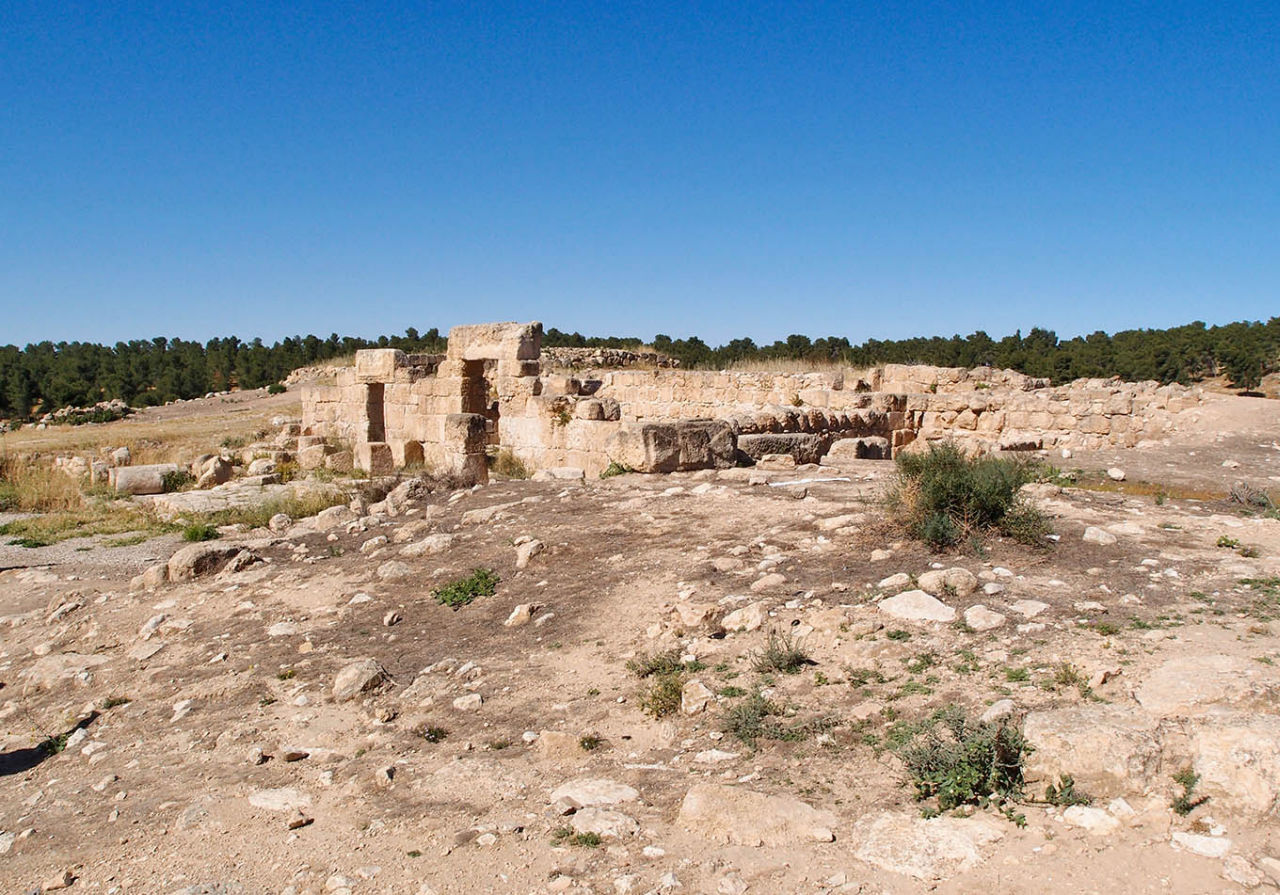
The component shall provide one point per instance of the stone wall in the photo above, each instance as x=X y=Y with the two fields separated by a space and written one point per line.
x=490 y=391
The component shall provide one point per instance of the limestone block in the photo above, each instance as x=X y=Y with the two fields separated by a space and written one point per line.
x=378 y=364
x=670 y=447
x=801 y=447
x=871 y=447
x=340 y=461
x=374 y=457
x=406 y=453
x=312 y=456
x=141 y=479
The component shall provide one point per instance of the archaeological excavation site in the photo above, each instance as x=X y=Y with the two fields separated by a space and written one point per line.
x=491 y=392
x=512 y=620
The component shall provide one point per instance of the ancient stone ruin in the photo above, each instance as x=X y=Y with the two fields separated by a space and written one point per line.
x=491 y=393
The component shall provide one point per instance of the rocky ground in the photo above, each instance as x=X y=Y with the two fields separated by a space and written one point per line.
x=295 y=713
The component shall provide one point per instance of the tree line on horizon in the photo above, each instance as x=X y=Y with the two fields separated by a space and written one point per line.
x=47 y=376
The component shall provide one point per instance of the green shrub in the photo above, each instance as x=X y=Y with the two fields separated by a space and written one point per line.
x=1065 y=794
x=615 y=468
x=277 y=388
x=959 y=761
x=1184 y=803
x=456 y=594
x=200 y=531
x=942 y=496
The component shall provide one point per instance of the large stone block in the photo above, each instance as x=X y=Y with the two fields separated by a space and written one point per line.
x=142 y=479
x=375 y=458
x=496 y=341
x=675 y=446
x=804 y=447
x=378 y=364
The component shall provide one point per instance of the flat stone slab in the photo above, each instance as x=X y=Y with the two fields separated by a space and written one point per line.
x=917 y=606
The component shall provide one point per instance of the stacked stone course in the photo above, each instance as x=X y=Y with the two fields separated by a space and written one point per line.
x=489 y=392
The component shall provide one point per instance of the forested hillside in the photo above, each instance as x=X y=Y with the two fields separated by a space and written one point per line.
x=47 y=376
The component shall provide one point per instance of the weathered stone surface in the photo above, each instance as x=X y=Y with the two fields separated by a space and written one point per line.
x=916 y=605
x=197 y=560
x=674 y=446
x=604 y=822
x=925 y=849
x=748 y=618
x=1187 y=684
x=1108 y=750
x=803 y=447
x=429 y=546
x=142 y=479
x=868 y=448
x=587 y=792
x=1237 y=755
x=739 y=816
x=1095 y=535
x=980 y=618
x=694 y=697
x=283 y=799
x=951 y=582
x=358 y=677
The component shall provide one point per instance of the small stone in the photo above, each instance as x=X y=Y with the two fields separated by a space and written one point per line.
x=894 y=583
x=1205 y=846
x=358 y=677
x=768 y=582
x=59 y=881
x=1095 y=821
x=980 y=618
x=298 y=820
x=916 y=605
x=520 y=615
x=469 y=703
x=1115 y=474
x=694 y=697
x=391 y=618
x=1095 y=535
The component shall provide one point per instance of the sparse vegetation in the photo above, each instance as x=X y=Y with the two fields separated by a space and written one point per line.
x=1186 y=801
x=958 y=761
x=615 y=469
x=590 y=742
x=506 y=463
x=200 y=531
x=433 y=733
x=460 y=592
x=943 y=497
x=662 y=697
x=781 y=653
x=567 y=836
x=1064 y=794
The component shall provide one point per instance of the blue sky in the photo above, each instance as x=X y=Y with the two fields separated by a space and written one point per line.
x=720 y=169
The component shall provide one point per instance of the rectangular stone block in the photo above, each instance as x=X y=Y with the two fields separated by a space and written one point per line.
x=375 y=458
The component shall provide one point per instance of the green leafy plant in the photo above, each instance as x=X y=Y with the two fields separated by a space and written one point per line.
x=458 y=593
x=176 y=480
x=958 y=761
x=1229 y=542
x=662 y=697
x=277 y=388
x=1065 y=794
x=1185 y=802
x=614 y=469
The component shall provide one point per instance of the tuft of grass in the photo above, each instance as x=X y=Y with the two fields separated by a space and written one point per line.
x=299 y=505
x=507 y=464
x=781 y=653
x=458 y=593
x=614 y=469
x=590 y=742
x=567 y=836
x=30 y=487
x=200 y=531
x=958 y=761
x=177 y=480
x=756 y=718
x=662 y=697
x=1185 y=802
x=943 y=497
x=899 y=635
x=1228 y=542
x=649 y=664
x=112 y=702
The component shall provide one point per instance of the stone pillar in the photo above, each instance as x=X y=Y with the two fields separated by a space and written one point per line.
x=464 y=444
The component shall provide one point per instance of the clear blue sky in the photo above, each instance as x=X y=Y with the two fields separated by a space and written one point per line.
x=720 y=169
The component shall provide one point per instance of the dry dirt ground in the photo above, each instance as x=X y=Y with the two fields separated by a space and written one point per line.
x=215 y=758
